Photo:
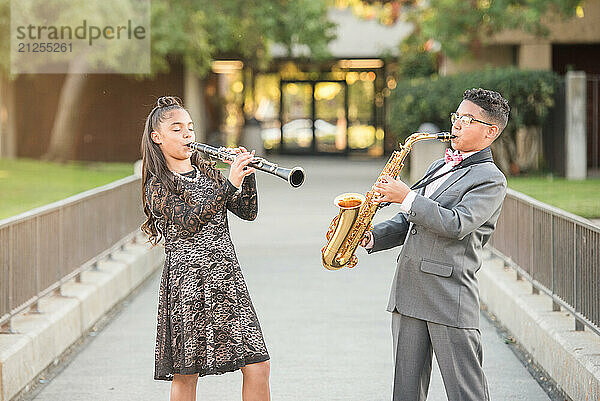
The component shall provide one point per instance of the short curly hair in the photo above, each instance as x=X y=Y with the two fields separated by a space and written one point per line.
x=493 y=104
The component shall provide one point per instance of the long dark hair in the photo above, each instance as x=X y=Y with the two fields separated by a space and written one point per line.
x=154 y=164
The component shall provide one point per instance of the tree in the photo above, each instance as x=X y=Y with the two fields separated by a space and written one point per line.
x=463 y=27
x=460 y=28
x=60 y=13
x=200 y=31
x=465 y=24
x=197 y=32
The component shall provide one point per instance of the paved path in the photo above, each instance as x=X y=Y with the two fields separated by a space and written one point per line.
x=327 y=332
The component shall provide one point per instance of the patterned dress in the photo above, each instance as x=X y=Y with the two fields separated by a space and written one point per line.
x=206 y=321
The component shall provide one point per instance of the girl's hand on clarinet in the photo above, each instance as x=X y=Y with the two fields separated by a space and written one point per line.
x=239 y=166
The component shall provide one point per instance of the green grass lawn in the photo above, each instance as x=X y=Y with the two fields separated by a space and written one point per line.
x=578 y=197
x=26 y=184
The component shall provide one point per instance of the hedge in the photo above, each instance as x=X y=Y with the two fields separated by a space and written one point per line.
x=413 y=102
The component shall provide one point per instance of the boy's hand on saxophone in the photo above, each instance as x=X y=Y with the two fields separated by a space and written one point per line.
x=390 y=190
x=367 y=240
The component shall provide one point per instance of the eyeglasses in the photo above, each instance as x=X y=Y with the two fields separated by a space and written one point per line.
x=465 y=121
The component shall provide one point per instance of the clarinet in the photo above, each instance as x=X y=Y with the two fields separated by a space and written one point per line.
x=295 y=175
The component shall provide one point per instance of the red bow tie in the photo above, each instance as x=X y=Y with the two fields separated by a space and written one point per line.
x=452 y=158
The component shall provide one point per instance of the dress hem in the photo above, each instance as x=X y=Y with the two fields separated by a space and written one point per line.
x=219 y=370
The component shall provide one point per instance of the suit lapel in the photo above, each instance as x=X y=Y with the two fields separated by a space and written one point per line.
x=449 y=181
x=481 y=155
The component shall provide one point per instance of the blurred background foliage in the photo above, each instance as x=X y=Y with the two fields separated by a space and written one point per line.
x=462 y=27
x=457 y=30
x=203 y=30
x=530 y=95
x=432 y=99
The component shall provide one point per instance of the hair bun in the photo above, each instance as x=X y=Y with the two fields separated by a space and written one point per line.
x=166 y=101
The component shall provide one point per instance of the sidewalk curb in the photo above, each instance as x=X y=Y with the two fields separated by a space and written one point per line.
x=571 y=358
x=41 y=338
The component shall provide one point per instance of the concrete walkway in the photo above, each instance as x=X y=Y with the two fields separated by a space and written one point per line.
x=327 y=332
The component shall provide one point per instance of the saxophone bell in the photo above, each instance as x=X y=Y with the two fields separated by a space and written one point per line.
x=349 y=200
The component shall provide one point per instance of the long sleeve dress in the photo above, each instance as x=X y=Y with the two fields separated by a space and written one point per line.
x=206 y=321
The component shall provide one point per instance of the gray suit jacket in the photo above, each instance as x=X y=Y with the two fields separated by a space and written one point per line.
x=435 y=275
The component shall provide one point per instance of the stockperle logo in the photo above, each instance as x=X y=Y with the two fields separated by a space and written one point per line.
x=80 y=36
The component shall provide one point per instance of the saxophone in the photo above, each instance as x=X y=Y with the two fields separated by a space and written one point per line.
x=356 y=210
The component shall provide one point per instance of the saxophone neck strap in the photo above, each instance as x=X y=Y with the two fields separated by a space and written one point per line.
x=483 y=156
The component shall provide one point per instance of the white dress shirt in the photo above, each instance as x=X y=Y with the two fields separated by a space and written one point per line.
x=433 y=186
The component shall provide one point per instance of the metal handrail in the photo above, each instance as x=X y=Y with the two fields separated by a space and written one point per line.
x=45 y=247
x=556 y=251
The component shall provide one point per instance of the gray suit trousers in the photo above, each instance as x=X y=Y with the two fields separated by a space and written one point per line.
x=458 y=353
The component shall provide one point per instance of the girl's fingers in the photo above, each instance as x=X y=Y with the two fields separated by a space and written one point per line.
x=239 y=158
x=246 y=159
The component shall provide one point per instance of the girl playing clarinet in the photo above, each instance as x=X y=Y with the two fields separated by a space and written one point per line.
x=206 y=322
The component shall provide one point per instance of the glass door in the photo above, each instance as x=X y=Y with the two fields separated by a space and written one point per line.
x=296 y=117
x=330 y=122
x=361 y=111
